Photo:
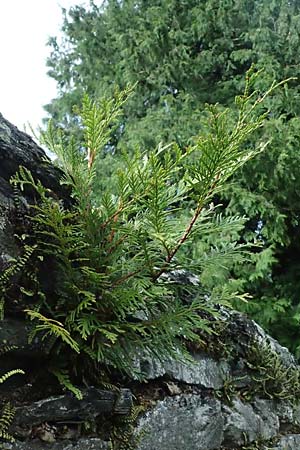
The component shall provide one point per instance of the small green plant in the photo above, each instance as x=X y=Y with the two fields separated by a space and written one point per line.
x=123 y=435
x=8 y=411
x=271 y=377
x=229 y=389
x=108 y=299
x=7 y=416
x=260 y=444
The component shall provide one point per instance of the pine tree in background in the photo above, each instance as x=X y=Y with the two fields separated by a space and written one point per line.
x=184 y=53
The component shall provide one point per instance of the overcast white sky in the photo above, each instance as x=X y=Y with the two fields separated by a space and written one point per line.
x=25 y=26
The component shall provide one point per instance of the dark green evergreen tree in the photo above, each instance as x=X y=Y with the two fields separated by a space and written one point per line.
x=183 y=54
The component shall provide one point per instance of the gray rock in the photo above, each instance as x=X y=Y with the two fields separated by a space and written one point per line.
x=289 y=442
x=287 y=413
x=204 y=371
x=209 y=372
x=180 y=277
x=18 y=149
x=183 y=422
x=269 y=420
x=262 y=338
x=81 y=444
x=296 y=415
x=14 y=332
x=245 y=331
x=244 y=423
x=67 y=407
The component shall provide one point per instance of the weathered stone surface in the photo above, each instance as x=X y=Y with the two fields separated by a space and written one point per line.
x=289 y=442
x=183 y=422
x=245 y=331
x=18 y=149
x=205 y=372
x=181 y=277
x=26 y=356
x=81 y=444
x=244 y=423
x=14 y=332
x=269 y=419
x=67 y=407
x=295 y=415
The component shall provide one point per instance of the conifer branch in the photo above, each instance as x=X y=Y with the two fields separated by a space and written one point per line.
x=113 y=217
x=116 y=245
x=126 y=277
x=181 y=241
x=186 y=233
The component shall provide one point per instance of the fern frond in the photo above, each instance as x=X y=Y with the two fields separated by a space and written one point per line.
x=64 y=379
x=7 y=416
x=9 y=374
x=51 y=327
x=7 y=348
x=25 y=178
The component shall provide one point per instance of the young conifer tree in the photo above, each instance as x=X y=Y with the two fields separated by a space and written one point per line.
x=111 y=296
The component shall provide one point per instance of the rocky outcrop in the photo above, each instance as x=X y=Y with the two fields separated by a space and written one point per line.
x=18 y=149
x=239 y=392
x=226 y=401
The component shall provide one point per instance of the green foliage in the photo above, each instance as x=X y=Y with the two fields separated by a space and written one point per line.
x=8 y=411
x=272 y=378
x=108 y=299
x=123 y=435
x=183 y=54
x=64 y=379
x=50 y=326
x=7 y=415
x=9 y=374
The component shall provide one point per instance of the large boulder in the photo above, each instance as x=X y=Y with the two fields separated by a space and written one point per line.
x=241 y=391
x=18 y=149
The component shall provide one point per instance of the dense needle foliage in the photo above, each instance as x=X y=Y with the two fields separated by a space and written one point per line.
x=110 y=296
x=184 y=53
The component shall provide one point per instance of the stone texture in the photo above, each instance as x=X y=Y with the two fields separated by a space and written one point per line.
x=16 y=149
x=81 y=444
x=295 y=414
x=25 y=356
x=205 y=371
x=289 y=442
x=183 y=422
x=67 y=407
x=244 y=331
x=244 y=423
x=13 y=332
